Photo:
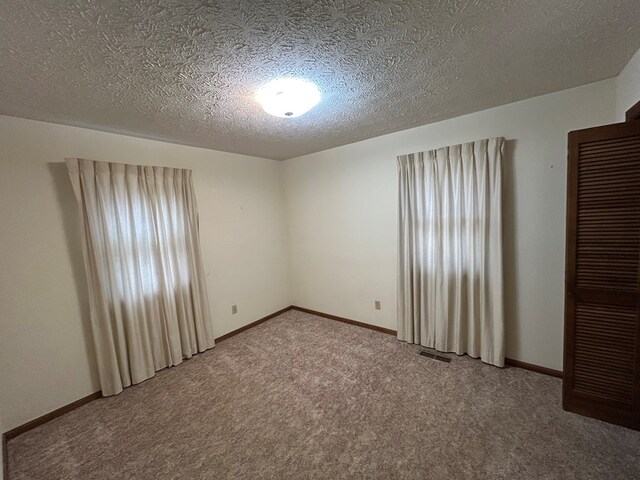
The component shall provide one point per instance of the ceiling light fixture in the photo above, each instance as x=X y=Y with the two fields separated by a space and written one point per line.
x=288 y=97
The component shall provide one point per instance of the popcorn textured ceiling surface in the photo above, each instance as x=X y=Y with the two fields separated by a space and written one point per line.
x=186 y=71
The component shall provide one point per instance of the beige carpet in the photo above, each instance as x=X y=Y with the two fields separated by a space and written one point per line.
x=304 y=397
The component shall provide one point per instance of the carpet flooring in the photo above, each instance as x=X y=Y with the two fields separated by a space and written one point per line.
x=302 y=397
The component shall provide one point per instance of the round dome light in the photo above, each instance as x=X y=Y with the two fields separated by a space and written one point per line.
x=288 y=97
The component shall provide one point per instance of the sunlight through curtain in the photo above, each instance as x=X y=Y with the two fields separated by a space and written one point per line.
x=147 y=294
x=450 y=283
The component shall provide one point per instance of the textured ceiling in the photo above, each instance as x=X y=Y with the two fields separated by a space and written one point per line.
x=186 y=70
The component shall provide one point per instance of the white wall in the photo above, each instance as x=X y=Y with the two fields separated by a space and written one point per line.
x=45 y=348
x=342 y=215
x=628 y=87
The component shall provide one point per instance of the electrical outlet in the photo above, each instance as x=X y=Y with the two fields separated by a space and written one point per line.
x=377 y=304
x=234 y=309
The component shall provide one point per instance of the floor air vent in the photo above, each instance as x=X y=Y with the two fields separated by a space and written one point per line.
x=435 y=356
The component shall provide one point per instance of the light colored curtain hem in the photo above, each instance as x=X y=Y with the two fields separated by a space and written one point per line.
x=111 y=389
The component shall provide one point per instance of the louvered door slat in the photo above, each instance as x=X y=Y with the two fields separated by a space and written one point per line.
x=619 y=189
x=602 y=323
x=608 y=154
x=613 y=166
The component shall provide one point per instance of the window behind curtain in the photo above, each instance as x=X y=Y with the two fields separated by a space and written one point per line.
x=148 y=298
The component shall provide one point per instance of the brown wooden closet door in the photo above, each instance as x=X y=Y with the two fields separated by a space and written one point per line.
x=602 y=321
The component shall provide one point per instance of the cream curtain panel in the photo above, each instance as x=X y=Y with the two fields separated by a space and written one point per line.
x=450 y=250
x=147 y=293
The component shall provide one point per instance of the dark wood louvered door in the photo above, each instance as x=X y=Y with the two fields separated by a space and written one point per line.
x=602 y=317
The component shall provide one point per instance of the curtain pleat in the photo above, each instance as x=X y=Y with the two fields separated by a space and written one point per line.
x=450 y=281
x=148 y=298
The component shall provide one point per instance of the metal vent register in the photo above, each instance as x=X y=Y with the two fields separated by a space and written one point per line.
x=435 y=356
